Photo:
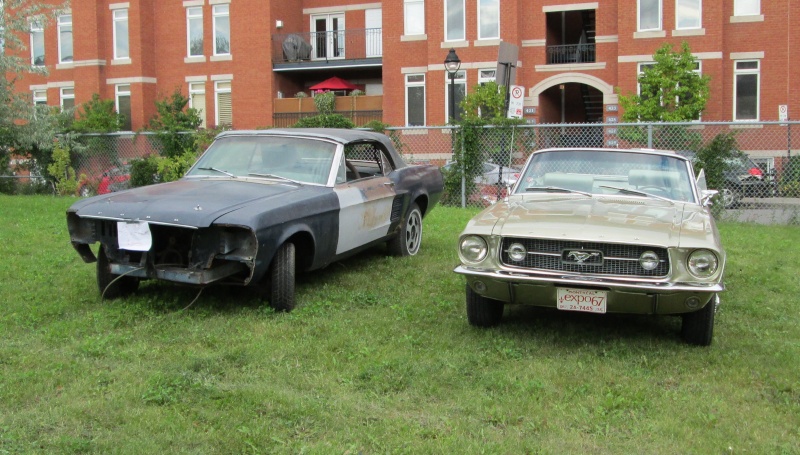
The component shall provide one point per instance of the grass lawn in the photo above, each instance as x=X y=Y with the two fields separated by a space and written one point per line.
x=379 y=358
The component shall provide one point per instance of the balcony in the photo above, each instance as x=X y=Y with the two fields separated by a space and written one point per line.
x=571 y=37
x=340 y=48
x=570 y=53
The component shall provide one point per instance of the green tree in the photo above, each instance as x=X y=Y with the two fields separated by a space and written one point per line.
x=97 y=116
x=174 y=124
x=15 y=107
x=670 y=90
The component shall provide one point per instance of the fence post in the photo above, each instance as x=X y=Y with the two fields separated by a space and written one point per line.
x=649 y=135
x=463 y=173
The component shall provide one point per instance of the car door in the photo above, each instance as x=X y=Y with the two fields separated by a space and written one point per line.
x=365 y=196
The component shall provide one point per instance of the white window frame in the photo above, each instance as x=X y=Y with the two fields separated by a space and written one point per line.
x=67 y=93
x=120 y=16
x=410 y=84
x=218 y=90
x=699 y=15
x=40 y=97
x=192 y=14
x=63 y=22
x=746 y=7
x=496 y=4
x=487 y=75
x=37 y=30
x=119 y=91
x=639 y=17
x=413 y=25
x=463 y=36
x=220 y=12
x=460 y=79
x=198 y=88
x=747 y=71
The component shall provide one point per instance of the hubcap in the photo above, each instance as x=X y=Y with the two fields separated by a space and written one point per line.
x=413 y=232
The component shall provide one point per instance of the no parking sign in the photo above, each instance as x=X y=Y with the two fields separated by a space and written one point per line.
x=516 y=93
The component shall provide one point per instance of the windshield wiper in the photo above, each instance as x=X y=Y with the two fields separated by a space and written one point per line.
x=273 y=176
x=217 y=170
x=556 y=189
x=637 y=193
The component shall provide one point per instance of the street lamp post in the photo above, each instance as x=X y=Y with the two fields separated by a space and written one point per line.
x=452 y=64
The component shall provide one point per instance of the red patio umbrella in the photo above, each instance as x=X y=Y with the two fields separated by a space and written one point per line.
x=333 y=83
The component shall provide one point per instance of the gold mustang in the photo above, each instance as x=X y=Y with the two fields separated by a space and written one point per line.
x=600 y=231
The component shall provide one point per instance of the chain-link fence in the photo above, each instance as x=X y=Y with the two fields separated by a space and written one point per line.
x=754 y=165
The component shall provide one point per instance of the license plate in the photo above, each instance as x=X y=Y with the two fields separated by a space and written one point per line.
x=586 y=300
x=134 y=235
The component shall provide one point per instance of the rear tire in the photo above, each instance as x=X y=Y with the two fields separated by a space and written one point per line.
x=482 y=311
x=282 y=278
x=697 y=328
x=112 y=286
x=408 y=241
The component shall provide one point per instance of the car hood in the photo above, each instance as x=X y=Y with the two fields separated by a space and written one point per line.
x=187 y=202
x=604 y=219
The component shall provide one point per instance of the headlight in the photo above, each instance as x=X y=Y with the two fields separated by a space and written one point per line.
x=517 y=252
x=649 y=260
x=473 y=248
x=702 y=263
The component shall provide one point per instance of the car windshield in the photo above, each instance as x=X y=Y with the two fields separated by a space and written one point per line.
x=299 y=160
x=607 y=172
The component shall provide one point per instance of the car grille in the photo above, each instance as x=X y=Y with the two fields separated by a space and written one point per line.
x=603 y=258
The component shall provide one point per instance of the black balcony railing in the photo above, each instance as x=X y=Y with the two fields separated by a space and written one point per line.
x=358 y=44
x=570 y=53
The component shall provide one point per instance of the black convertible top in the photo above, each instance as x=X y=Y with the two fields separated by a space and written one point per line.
x=341 y=135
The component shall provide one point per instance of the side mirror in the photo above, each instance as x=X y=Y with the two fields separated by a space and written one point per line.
x=706 y=196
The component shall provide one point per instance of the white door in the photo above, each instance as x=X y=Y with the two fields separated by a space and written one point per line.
x=373 y=19
x=327 y=36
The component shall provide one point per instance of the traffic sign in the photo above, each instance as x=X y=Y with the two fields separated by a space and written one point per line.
x=516 y=93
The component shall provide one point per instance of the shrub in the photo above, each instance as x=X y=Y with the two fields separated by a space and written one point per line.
x=325 y=121
x=325 y=102
x=66 y=182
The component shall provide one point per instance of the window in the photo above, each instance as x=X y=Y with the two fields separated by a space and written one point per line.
x=194 y=31
x=414 y=16
x=222 y=29
x=222 y=89
x=745 y=90
x=415 y=100
x=67 y=98
x=121 y=47
x=40 y=97
x=649 y=15
x=65 y=38
x=460 y=89
x=123 y=104
x=488 y=19
x=37 y=44
x=197 y=100
x=485 y=76
x=688 y=14
x=746 y=7
x=642 y=68
x=454 y=20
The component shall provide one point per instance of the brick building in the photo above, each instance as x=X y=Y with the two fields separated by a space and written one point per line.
x=243 y=61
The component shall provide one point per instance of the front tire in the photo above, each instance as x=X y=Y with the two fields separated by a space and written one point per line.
x=112 y=286
x=482 y=311
x=408 y=241
x=697 y=327
x=730 y=198
x=282 y=278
